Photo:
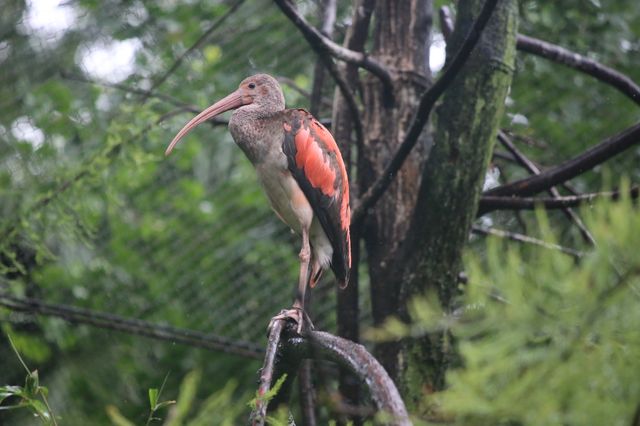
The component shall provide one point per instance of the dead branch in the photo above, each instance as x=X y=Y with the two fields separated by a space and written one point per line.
x=428 y=100
x=286 y=349
x=521 y=238
x=571 y=168
x=553 y=191
x=328 y=48
x=490 y=203
x=562 y=56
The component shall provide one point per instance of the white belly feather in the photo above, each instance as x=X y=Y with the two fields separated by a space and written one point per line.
x=290 y=204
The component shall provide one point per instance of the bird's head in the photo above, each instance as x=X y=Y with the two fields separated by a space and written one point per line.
x=260 y=91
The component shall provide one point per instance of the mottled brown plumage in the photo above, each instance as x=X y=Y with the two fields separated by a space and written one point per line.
x=301 y=170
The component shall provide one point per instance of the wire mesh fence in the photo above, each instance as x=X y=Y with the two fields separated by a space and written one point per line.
x=98 y=228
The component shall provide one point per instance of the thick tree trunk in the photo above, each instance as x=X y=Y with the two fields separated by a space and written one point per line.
x=401 y=38
x=467 y=123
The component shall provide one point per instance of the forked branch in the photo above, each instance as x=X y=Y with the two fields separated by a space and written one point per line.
x=286 y=349
x=571 y=168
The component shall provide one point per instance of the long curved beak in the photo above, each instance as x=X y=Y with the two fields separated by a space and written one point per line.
x=231 y=101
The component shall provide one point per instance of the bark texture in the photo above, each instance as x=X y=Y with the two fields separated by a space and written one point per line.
x=401 y=36
x=466 y=126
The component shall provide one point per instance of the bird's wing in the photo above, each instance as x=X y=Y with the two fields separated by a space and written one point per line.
x=316 y=164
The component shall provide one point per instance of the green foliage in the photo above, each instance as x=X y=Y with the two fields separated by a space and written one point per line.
x=545 y=340
x=31 y=396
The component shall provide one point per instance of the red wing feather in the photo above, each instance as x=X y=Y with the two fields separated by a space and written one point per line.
x=316 y=164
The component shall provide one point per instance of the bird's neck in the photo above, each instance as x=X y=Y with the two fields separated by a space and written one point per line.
x=254 y=130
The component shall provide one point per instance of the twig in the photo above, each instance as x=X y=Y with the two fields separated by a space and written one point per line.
x=573 y=167
x=198 y=43
x=562 y=56
x=183 y=106
x=428 y=100
x=574 y=60
x=553 y=191
x=326 y=47
x=524 y=239
x=266 y=373
x=490 y=203
x=133 y=326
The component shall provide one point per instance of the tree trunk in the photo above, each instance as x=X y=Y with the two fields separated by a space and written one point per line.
x=467 y=123
x=401 y=38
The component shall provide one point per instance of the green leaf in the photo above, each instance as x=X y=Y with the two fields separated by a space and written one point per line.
x=32 y=383
x=153 y=398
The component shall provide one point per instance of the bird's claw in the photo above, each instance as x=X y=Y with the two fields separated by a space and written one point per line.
x=298 y=315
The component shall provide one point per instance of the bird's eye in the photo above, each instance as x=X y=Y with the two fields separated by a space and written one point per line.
x=252 y=86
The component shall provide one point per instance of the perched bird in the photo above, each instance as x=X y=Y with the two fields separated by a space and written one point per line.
x=302 y=172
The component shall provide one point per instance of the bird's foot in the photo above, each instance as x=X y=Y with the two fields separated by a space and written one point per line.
x=298 y=315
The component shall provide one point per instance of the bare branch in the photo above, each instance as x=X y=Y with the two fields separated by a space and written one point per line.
x=490 y=203
x=290 y=348
x=428 y=100
x=524 y=239
x=259 y=414
x=573 y=167
x=562 y=56
x=327 y=48
x=197 y=45
x=574 y=60
x=133 y=326
x=553 y=191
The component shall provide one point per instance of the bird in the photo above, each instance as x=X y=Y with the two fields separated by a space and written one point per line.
x=302 y=172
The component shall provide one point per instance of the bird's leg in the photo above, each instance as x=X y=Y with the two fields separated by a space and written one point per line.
x=297 y=312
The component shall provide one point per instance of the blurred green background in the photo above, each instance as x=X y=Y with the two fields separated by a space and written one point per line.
x=92 y=215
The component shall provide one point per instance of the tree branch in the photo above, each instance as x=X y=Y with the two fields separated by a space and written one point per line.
x=182 y=106
x=553 y=191
x=490 y=203
x=133 y=326
x=524 y=239
x=562 y=56
x=286 y=349
x=573 y=167
x=428 y=100
x=327 y=48
x=198 y=43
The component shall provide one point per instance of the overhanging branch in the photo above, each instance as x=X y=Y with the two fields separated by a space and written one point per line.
x=326 y=47
x=490 y=203
x=574 y=60
x=553 y=191
x=427 y=101
x=571 y=168
x=562 y=56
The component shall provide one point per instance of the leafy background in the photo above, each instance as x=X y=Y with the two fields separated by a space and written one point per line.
x=189 y=241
